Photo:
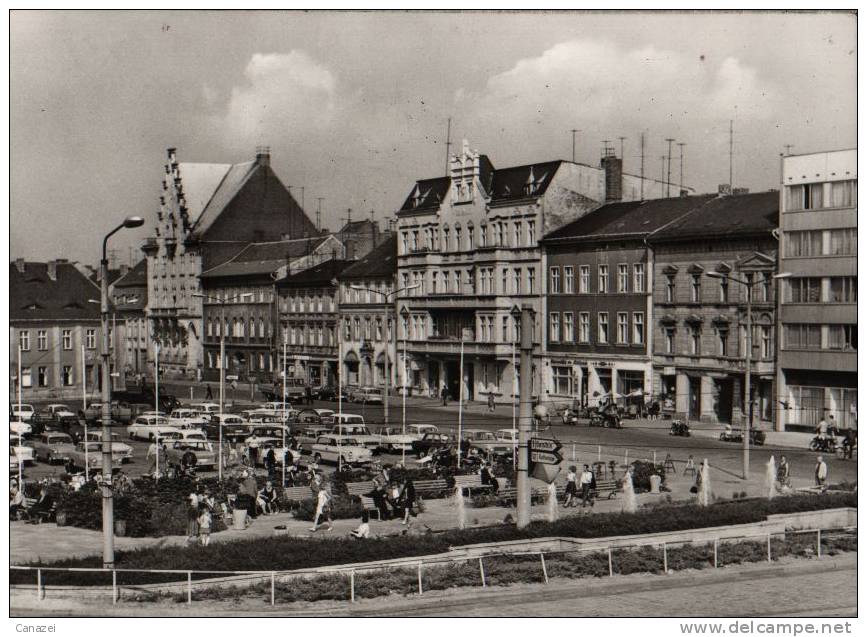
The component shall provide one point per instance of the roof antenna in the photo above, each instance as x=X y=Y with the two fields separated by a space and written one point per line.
x=641 y=196
x=731 y=155
x=681 y=144
x=668 y=178
x=448 y=143
x=574 y=130
x=319 y=201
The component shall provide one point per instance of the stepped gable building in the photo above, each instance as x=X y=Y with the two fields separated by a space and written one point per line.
x=698 y=327
x=309 y=320
x=208 y=213
x=470 y=242
x=52 y=319
x=817 y=373
x=598 y=302
x=241 y=303
x=367 y=318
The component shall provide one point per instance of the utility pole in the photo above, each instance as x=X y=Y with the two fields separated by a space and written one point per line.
x=621 y=147
x=642 y=167
x=525 y=412
x=319 y=201
x=668 y=177
x=731 y=155
x=448 y=143
x=574 y=130
x=681 y=144
x=662 y=175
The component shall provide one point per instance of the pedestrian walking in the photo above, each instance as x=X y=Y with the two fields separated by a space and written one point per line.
x=323 y=510
x=209 y=395
x=192 y=518
x=151 y=457
x=444 y=393
x=270 y=462
x=491 y=402
x=408 y=499
x=783 y=478
x=586 y=487
x=308 y=394
x=821 y=474
x=571 y=487
x=204 y=521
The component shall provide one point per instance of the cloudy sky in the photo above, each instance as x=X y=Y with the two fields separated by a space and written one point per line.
x=354 y=105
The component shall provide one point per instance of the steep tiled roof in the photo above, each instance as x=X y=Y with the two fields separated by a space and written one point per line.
x=200 y=181
x=379 y=262
x=322 y=274
x=431 y=193
x=265 y=257
x=509 y=183
x=232 y=181
x=33 y=295
x=136 y=277
x=733 y=215
x=629 y=218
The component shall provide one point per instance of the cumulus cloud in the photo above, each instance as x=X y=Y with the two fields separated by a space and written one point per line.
x=283 y=92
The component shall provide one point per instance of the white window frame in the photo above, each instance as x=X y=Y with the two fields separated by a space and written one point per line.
x=603 y=337
x=554 y=322
x=638 y=328
x=584 y=327
x=623 y=328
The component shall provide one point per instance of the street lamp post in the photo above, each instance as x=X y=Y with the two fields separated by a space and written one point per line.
x=748 y=404
x=404 y=313
x=222 y=304
x=107 y=496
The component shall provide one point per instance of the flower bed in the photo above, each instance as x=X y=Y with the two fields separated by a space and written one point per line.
x=288 y=553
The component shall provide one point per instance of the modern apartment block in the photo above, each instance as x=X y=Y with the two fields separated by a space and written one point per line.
x=818 y=360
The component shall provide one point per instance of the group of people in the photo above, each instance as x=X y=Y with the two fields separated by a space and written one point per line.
x=395 y=494
x=581 y=485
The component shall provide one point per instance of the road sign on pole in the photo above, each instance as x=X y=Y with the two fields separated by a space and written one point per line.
x=545 y=457
x=545 y=444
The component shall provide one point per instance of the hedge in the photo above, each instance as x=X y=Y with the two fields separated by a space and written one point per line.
x=289 y=553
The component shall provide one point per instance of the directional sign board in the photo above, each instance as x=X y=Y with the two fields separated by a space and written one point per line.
x=545 y=457
x=545 y=444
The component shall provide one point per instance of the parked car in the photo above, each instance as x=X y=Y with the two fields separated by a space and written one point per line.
x=417 y=431
x=347 y=450
x=118 y=447
x=359 y=432
x=19 y=427
x=276 y=408
x=369 y=395
x=90 y=454
x=486 y=441
x=206 y=408
x=149 y=427
x=53 y=446
x=120 y=412
x=393 y=439
x=431 y=440
x=185 y=418
x=57 y=411
x=315 y=417
x=23 y=453
x=306 y=437
x=23 y=411
x=347 y=419
x=192 y=452
x=330 y=392
x=233 y=426
x=509 y=436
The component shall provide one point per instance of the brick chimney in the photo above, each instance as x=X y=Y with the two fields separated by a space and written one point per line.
x=19 y=265
x=124 y=269
x=51 y=270
x=350 y=249
x=613 y=178
x=263 y=155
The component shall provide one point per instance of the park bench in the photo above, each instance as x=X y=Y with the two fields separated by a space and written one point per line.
x=360 y=488
x=470 y=482
x=431 y=488
x=611 y=487
x=298 y=494
x=40 y=516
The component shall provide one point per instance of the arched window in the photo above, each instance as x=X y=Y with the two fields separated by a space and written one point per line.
x=261 y=328
x=470 y=236
x=210 y=328
x=236 y=329
x=251 y=328
x=458 y=246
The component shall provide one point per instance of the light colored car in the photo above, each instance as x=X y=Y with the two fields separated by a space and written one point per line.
x=347 y=419
x=21 y=428
x=276 y=408
x=149 y=427
x=53 y=446
x=202 y=451
x=369 y=395
x=187 y=418
x=359 y=432
x=486 y=441
x=393 y=439
x=509 y=436
x=330 y=448
x=206 y=408
x=23 y=411
x=59 y=410
x=118 y=448
x=418 y=431
x=231 y=426
x=22 y=453
x=307 y=436
x=92 y=457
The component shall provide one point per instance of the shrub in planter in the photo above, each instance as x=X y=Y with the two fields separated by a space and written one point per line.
x=641 y=472
x=342 y=508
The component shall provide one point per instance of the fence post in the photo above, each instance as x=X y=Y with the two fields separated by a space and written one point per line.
x=352 y=586
x=544 y=569
x=272 y=587
x=610 y=564
x=715 y=551
x=654 y=456
x=573 y=452
x=482 y=571
x=39 y=583
x=189 y=587
x=665 y=558
x=420 y=591
x=113 y=586
x=769 y=547
x=818 y=542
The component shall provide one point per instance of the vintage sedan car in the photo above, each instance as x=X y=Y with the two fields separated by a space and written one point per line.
x=330 y=392
x=192 y=452
x=359 y=432
x=57 y=411
x=486 y=441
x=118 y=447
x=19 y=427
x=187 y=418
x=150 y=427
x=509 y=436
x=306 y=437
x=332 y=448
x=233 y=426
x=23 y=411
x=120 y=412
x=369 y=395
x=417 y=431
x=53 y=446
x=90 y=454
x=431 y=440
x=393 y=439
x=276 y=408
x=22 y=453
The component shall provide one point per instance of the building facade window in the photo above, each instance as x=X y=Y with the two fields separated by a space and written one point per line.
x=531 y=280
x=695 y=288
x=638 y=328
x=668 y=339
x=766 y=342
x=623 y=278
x=584 y=327
x=584 y=279
x=42 y=377
x=603 y=279
x=554 y=287
x=66 y=375
x=24 y=340
x=804 y=197
x=723 y=340
x=563 y=383
x=843 y=289
x=531 y=233
x=568 y=279
x=555 y=327
x=26 y=377
x=622 y=327
x=843 y=337
x=694 y=341
x=67 y=339
x=568 y=327
x=603 y=328
x=506 y=330
x=843 y=194
x=723 y=290
x=802 y=336
x=42 y=340
x=805 y=290
x=638 y=278
x=669 y=288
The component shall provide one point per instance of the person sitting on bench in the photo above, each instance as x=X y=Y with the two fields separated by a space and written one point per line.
x=267 y=499
x=487 y=477
x=42 y=507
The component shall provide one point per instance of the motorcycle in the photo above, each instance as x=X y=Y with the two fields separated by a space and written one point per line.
x=679 y=428
x=757 y=437
x=825 y=445
x=610 y=420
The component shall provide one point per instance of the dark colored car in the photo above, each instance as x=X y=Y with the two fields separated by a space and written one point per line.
x=329 y=392
x=430 y=441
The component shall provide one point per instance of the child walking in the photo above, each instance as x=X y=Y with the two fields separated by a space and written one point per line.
x=204 y=526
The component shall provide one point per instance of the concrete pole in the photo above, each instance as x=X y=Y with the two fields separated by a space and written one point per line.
x=283 y=420
x=385 y=399
x=20 y=432
x=107 y=497
x=84 y=403
x=525 y=416
x=748 y=360
x=157 y=409
x=461 y=400
x=222 y=383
